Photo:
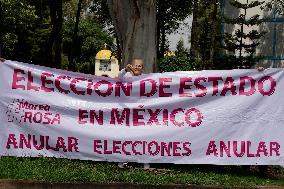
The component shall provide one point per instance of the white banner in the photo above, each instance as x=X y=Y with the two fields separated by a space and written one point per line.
x=224 y=117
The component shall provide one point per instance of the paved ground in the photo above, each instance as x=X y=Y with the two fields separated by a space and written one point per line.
x=12 y=184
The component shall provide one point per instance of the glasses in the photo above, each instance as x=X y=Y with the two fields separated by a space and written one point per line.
x=137 y=66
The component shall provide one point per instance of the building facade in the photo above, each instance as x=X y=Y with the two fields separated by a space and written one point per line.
x=272 y=43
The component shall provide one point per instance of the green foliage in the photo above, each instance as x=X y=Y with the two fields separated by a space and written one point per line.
x=9 y=41
x=170 y=15
x=252 y=21
x=277 y=5
x=181 y=62
x=207 y=32
x=64 y=63
x=173 y=13
x=180 y=48
x=243 y=45
x=249 y=5
x=101 y=13
x=26 y=28
x=85 y=67
x=228 y=62
x=17 y=29
x=92 y=38
x=39 y=41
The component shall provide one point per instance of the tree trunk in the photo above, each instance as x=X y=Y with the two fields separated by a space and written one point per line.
x=194 y=29
x=118 y=52
x=75 y=37
x=213 y=34
x=163 y=38
x=56 y=33
x=135 y=25
x=1 y=26
x=58 y=36
x=158 y=29
x=161 y=32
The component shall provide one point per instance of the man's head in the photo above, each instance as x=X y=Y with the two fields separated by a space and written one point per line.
x=137 y=66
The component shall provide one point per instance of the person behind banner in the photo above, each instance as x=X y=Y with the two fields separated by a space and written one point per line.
x=2 y=59
x=134 y=69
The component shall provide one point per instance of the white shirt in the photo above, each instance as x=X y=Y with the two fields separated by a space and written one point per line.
x=124 y=74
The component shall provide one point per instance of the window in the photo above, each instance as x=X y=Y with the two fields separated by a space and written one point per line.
x=105 y=65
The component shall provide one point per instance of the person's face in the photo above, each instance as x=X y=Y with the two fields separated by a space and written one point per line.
x=137 y=66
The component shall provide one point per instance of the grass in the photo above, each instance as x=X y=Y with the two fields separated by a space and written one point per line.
x=63 y=170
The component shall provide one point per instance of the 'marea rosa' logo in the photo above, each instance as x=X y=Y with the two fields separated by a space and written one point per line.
x=21 y=111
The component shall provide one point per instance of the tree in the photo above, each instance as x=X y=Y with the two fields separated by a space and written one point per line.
x=278 y=5
x=75 y=37
x=213 y=46
x=18 y=20
x=135 y=25
x=170 y=14
x=194 y=30
x=244 y=44
x=180 y=48
x=205 y=33
x=101 y=13
x=84 y=35
x=55 y=50
x=91 y=38
x=1 y=24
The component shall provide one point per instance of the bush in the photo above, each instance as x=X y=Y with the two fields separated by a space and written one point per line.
x=182 y=62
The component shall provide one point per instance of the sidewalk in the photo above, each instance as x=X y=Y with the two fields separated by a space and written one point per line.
x=18 y=184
